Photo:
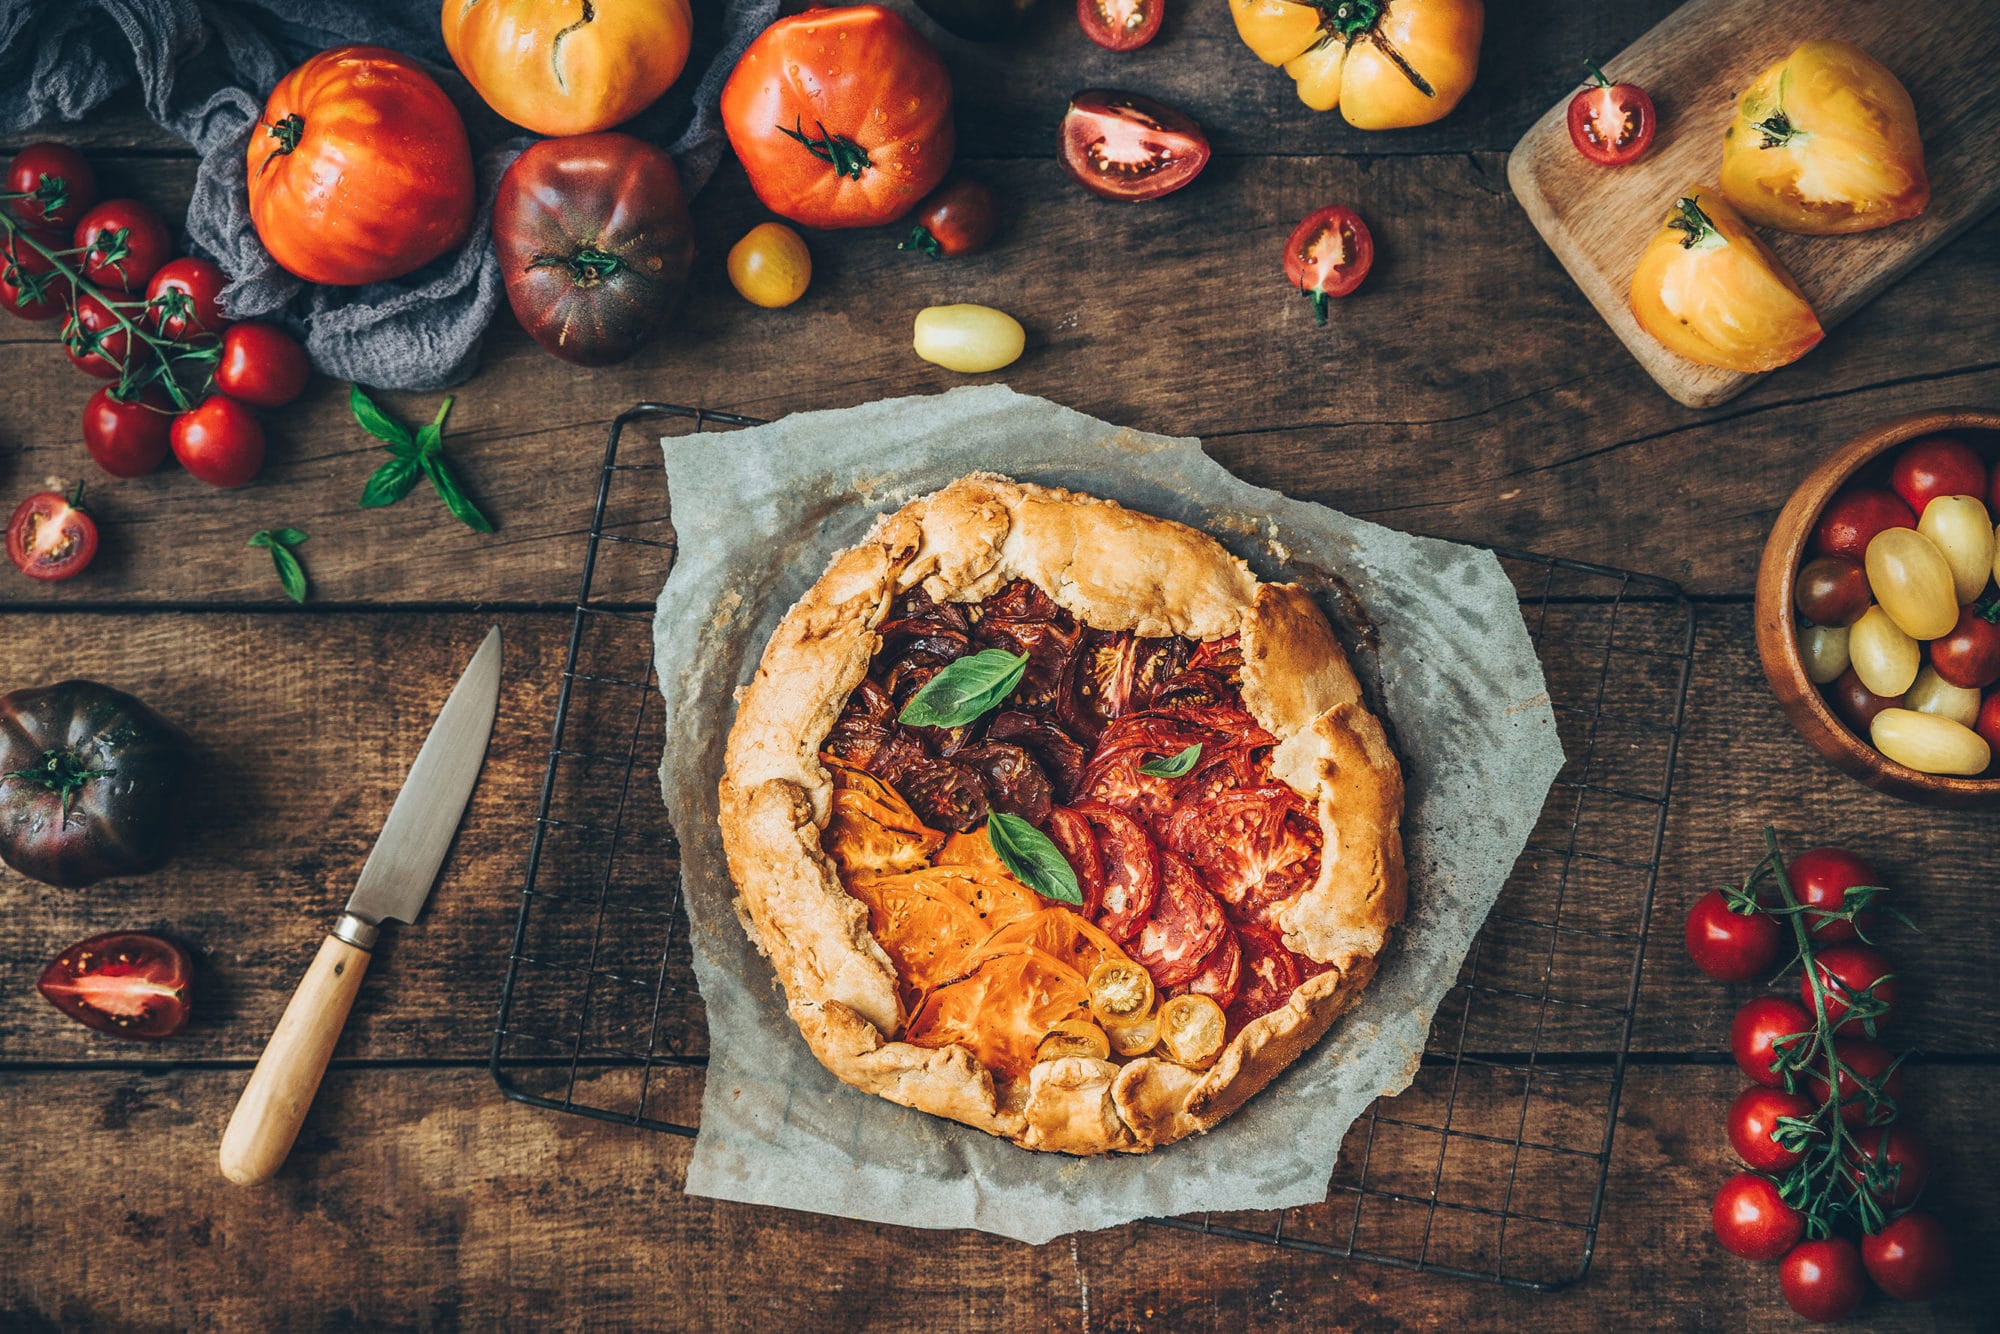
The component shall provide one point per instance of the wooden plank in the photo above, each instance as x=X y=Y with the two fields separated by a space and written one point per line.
x=419 y=1199
x=304 y=759
x=1699 y=60
x=1432 y=403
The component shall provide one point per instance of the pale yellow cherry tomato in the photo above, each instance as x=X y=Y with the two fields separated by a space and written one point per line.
x=770 y=266
x=1883 y=656
x=1192 y=1029
x=1073 y=1037
x=1929 y=744
x=1962 y=531
x=1934 y=695
x=1823 y=648
x=1121 y=992
x=1911 y=580
x=1136 y=1038
x=969 y=339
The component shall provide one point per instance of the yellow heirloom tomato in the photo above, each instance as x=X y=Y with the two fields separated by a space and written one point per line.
x=1387 y=64
x=1825 y=141
x=1709 y=290
x=568 y=69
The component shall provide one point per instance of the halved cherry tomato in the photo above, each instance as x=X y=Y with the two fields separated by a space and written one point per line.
x=1120 y=25
x=219 y=441
x=1124 y=146
x=96 y=342
x=30 y=287
x=185 y=298
x=261 y=364
x=1752 y=1220
x=955 y=219
x=124 y=243
x=128 y=436
x=124 y=983
x=39 y=166
x=1753 y=1126
x=1854 y=516
x=1328 y=254
x=51 y=537
x=1193 y=1029
x=1611 y=123
x=1933 y=466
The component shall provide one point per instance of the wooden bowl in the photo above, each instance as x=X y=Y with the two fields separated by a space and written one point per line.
x=1777 y=635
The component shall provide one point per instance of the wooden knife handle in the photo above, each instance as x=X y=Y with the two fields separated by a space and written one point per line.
x=281 y=1088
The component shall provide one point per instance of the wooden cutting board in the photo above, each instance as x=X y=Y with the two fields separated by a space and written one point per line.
x=1598 y=219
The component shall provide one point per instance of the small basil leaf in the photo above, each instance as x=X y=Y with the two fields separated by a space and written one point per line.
x=260 y=538
x=1174 y=766
x=377 y=422
x=390 y=483
x=965 y=689
x=291 y=537
x=1032 y=859
x=290 y=573
x=455 y=500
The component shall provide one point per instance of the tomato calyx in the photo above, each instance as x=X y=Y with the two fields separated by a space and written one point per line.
x=921 y=241
x=1700 y=231
x=63 y=772
x=1351 y=18
x=846 y=157
x=288 y=131
x=1777 y=129
x=587 y=266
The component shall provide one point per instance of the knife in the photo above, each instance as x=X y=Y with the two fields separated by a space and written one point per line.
x=393 y=886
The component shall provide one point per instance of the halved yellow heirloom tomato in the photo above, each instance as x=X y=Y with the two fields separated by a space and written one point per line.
x=1387 y=64
x=1825 y=141
x=1074 y=1037
x=1709 y=290
x=1003 y=1009
x=1192 y=1029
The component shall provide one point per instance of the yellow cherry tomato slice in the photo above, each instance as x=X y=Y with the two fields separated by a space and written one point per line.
x=1192 y=1029
x=1121 y=992
x=969 y=339
x=1929 y=744
x=1911 y=581
x=770 y=266
x=1136 y=1038
x=1074 y=1037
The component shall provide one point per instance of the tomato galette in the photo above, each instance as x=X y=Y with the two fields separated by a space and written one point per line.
x=1055 y=821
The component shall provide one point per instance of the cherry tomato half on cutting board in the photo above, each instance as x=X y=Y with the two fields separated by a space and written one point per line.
x=1611 y=123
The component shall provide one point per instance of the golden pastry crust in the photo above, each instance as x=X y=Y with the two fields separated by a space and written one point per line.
x=1113 y=569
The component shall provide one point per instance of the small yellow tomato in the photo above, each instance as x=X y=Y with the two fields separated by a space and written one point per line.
x=1192 y=1029
x=1121 y=992
x=1934 y=695
x=1960 y=528
x=1823 y=648
x=770 y=266
x=1073 y=1037
x=1136 y=1038
x=1911 y=580
x=970 y=339
x=1708 y=289
x=1929 y=744
x=1883 y=656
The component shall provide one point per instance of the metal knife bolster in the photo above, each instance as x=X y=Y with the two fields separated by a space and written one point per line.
x=357 y=931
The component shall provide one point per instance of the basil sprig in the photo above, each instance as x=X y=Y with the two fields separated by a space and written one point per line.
x=279 y=543
x=412 y=456
x=965 y=689
x=1172 y=766
x=1032 y=859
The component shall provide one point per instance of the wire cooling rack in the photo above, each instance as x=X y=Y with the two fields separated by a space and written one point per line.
x=1492 y=1165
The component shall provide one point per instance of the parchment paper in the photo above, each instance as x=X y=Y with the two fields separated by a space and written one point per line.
x=759 y=512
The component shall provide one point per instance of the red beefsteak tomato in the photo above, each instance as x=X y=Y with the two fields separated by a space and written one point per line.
x=842 y=117
x=360 y=171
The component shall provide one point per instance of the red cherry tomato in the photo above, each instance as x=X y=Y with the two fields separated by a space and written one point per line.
x=96 y=342
x=1898 y=1159
x=1988 y=725
x=1850 y=971
x=1970 y=655
x=1124 y=146
x=1910 y=1258
x=41 y=165
x=124 y=244
x=1328 y=254
x=955 y=219
x=219 y=441
x=1756 y=1033
x=1823 y=1280
x=30 y=287
x=1936 y=465
x=128 y=437
x=1852 y=518
x=1868 y=1061
x=1727 y=945
x=1611 y=123
x=1752 y=1221
x=50 y=536
x=261 y=364
x=1120 y=25
x=1821 y=877
x=1831 y=590
x=1753 y=1123
x=185 y=298
x=126 y=984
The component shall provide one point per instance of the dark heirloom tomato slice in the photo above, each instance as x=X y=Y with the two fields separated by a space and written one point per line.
x=1021 y=618
x=944 y=795
x=1071 y=833
x=864 y=726
x=1124 y=146
x=1120 y=25
x=1052 y=748
x=1270 y=974
x=1328 y=254
x=1131 y=869
x=923 y=626
x=1185 y=925
x=125 y=984
x=1097 y=687
x=1155 y=663
x=1221 y=976
x=1014 y=782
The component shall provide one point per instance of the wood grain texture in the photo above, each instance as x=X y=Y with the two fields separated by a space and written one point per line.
x=1695 y=63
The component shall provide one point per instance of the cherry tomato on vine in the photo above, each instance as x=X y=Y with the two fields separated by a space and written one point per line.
x=1753 y=1123
x=1831 y=590
x=185 y=298
x=1756 y=1033
x=1936 y=465
x=261 y=364
x=1328 y=254
x=1910 y=1258
x=219 y=441
x=1854 y=516
x=1731 y=946
x=124 y=244
x=94 y=339
x=1120 y=25
x=1124 y=146
x=57 y=162
x=955 y=219
x=1867 y=1061
x=1905 y=1164
x=1752 y=1220
x=1611 y=123
x=1969 y=656
x=50 y=536
x=1823 y=1280
x=770 y=266
x=1820 y=880
x=128 y=437
x=30 y=287
x=1849 y=971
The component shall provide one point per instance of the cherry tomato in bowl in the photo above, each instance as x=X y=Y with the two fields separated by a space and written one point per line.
x=1755 y=1128
x=128 y=437
x=1611 y=123
x=1933 y=466
x=1988 y=724
x=1856 y=704
x=1328 y=254
x=219 y=441
x=1120 y=25
x=184 y=298
x=1831 y=590
x=1125 y=146
x=261 y=364
x=1823 y=1280
x=1969 y=657
x=1853 y=518
x=51 y=537
x=955 y=219
x=124 y=983
x=1752 y=1221
x=1730 y=946
x=95 y=340
x=66 y=177
x=124 y=244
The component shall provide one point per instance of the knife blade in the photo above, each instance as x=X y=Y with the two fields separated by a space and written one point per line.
x=392 y=887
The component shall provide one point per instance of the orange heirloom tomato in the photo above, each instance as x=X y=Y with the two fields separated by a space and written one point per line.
x=360 y=170
x=1387 y=64
x=1825 y=141
x=841 y=117
x=1708 y=289
x=560 y=69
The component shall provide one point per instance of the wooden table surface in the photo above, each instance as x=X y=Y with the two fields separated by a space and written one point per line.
x=1467 y=391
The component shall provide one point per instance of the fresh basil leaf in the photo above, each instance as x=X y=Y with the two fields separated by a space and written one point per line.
x=1172 y=766
x=965 y=689
x=291 y=537
x=1032 y=859
x=261 y=538
x=390 y=483
x=377 y=422
x=455 y=500
x=430 y=440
